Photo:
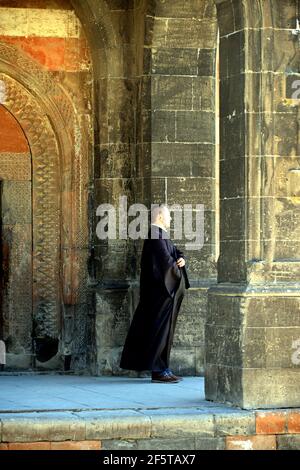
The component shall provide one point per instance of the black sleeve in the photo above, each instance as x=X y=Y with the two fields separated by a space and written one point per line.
x=169 y=271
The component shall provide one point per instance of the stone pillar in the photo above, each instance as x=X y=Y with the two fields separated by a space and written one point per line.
x=177 y=150
x=253 y=322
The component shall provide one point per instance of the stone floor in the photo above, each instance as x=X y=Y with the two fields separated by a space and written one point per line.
x=57 y=392
x=48 y=411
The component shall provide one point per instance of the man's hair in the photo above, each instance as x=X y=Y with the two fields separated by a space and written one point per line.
x=156 y=211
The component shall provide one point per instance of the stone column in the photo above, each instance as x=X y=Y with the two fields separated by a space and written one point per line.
x=253 y=323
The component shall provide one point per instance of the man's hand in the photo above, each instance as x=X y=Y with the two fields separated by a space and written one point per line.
x=180 y=262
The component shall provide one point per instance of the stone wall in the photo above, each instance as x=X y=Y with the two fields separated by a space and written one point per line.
x=165 y=152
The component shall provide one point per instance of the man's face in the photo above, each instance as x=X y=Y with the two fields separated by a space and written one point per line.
x=166 y=218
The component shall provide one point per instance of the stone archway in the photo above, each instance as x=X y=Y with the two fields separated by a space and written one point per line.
x=60 y=172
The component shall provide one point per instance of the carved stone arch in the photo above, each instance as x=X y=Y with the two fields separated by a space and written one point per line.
x=60 y=159
x=46 y=204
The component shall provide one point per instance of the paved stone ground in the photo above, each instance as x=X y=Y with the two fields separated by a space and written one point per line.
x=78 y=412
x=58 y=392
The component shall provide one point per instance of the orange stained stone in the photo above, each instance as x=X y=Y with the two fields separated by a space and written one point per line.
x=12 y=138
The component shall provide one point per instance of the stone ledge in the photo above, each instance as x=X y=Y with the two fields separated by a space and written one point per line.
x=148 y=424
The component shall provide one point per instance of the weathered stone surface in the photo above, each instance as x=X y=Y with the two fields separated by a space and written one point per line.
x=288 y=442
x=186 y=33
x=189 y=330
x=183 y=360
x=163 y=126
x=251 y=443
x=112 y=317
x=206 y=62
x=172 y=93
x=166 y=444
x=233 y=219
x=237 y=423
x=177 y=61
x=175 y=159
x=182 y=423
x=175 y=9
x=195 y=126
x=119 y=444
x=59 y=426
x=116 y=424
x=210 y=443
x=16 y=202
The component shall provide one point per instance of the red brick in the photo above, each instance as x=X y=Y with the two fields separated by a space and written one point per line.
x=294 y=422
x=29 y=446
x=271 y=423
x=76 y=445
x=251 y=442
x=12 y=138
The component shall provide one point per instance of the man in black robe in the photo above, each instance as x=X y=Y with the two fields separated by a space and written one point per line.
x=163 y=281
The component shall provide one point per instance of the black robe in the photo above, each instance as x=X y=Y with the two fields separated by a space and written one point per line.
x=162 y=288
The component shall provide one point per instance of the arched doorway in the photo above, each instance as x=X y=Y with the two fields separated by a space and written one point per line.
x=16 y=238
x=50 y=102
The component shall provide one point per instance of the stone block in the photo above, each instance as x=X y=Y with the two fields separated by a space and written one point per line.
x=183 y=360
x=271 y=388
x=233 y=219
x=286 y=129
x=195 y=302
x=251 y=443
x=232 y=170
x=113 y=311
x=231 y=261
x=206 y=62
x=235 y=423
x=288 y=442
x=223 y=346
x=204 y=94
x=189 y=331
x=163 y=126
x=255 y=347
x=202 y=264
x=280 y=349
x=195 y=190
x=178 y=33
x=226 y=18
x=172 y=93
x=116 y=424
x=223 y=384
x=166 y=444
x=56 y=426
x=121 y=444
x=232 y=99
x=180 y=423
x=178 y=159
x=210 y=443
x=177 y=9
x=232 y=137
x=224 y=310
x=195 y=126
x=177 y=61
x=116 y=160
